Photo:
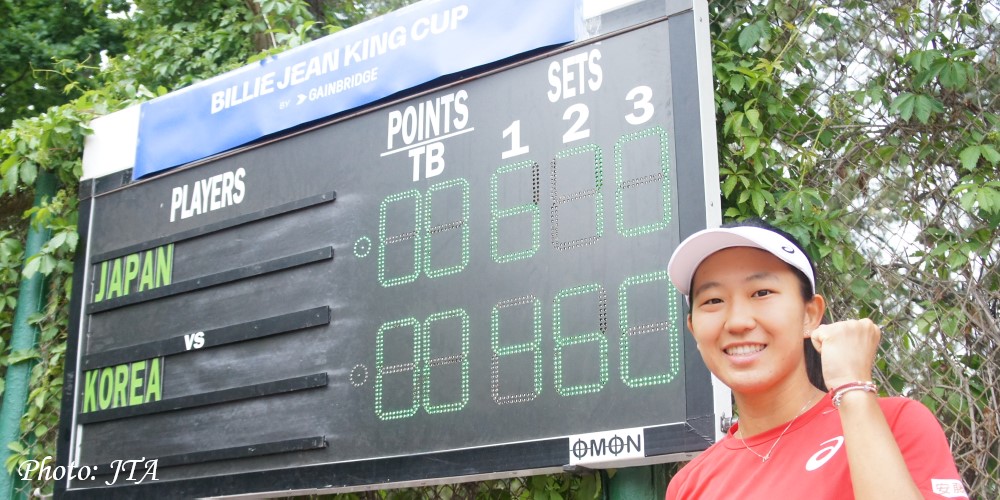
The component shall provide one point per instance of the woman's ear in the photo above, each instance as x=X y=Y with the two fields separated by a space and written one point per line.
x=815 y=308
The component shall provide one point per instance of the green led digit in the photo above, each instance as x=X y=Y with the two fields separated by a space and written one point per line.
x=430 y=326
x=598 y=336
x=662 y=177
x=384 y=241
x=534 y=347
x=655 y=282
x=497 y=215
x=443 y=228
x=412 y=326
x=559 y=199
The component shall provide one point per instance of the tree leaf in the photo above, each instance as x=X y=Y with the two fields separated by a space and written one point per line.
x=757 y=198
x=954 y=75
x=728 y=185
x=924 y=106
x=751 y=146
x=737 y=82
x=749 y=36
x=22 y=355
x=31 y=266
x=903 y=105
x=926 y=76
x=10 y=178
x=990 y=153
x=57 y=240
x=28 y=172
x=970 y=157
x=9 y=162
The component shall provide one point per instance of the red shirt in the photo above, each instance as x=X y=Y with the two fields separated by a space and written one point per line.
x=810 y=461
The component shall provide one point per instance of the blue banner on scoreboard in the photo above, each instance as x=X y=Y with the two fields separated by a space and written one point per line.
x=348 y=69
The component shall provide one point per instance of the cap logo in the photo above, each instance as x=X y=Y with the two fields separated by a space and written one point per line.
x=787 y=249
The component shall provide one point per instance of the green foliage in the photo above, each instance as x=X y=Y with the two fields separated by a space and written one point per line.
x=174 y=43
x=51 y=141
x=42 y=45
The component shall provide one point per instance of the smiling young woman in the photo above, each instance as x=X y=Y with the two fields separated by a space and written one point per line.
x=758 y=325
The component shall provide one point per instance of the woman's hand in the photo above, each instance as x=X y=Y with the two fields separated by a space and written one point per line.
x=878 y=469
x=848 y=349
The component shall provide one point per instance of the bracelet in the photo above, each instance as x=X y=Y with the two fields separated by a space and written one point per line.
x=838 y=392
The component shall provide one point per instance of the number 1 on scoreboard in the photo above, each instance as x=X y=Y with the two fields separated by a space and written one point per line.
x=516 y=148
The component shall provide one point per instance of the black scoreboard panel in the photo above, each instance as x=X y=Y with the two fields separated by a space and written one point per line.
x=447 y=285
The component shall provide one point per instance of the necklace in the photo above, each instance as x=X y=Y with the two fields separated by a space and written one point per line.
x=763 y=458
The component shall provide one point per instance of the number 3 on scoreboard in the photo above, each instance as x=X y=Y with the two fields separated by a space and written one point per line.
x=642 y=108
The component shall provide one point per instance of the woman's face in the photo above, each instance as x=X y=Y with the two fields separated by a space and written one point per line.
x=749 y=320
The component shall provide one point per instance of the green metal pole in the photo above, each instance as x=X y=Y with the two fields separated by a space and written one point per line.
x=23 y=337
x=638 y=483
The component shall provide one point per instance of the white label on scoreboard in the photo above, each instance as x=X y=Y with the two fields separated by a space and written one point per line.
x=608 y=446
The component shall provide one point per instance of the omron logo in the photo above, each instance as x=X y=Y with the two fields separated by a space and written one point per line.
x=606 y=446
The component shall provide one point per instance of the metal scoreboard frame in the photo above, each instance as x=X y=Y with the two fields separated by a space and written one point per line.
x=456 y=281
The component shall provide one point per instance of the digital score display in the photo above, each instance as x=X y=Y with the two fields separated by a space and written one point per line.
x=467 y=282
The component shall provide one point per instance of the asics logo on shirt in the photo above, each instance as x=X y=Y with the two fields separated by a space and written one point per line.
x=825 y=454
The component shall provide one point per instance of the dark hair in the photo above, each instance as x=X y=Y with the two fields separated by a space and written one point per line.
x=814 y=362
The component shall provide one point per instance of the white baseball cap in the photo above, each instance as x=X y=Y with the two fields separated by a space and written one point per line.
x=697 y=247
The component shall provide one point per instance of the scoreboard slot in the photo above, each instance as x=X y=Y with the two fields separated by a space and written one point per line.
x=214 y=337
x=208 y=398
x=190 y=285
x=231 y=453
x=285 y=208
